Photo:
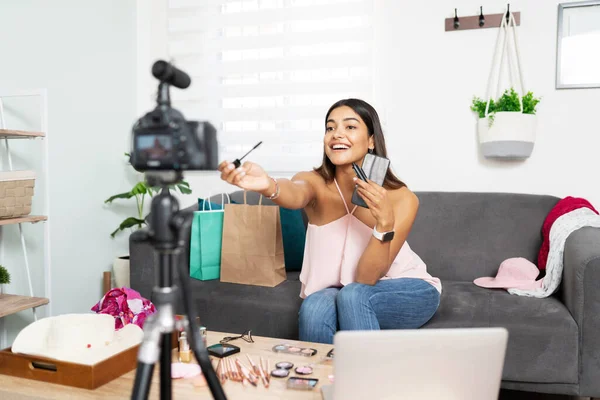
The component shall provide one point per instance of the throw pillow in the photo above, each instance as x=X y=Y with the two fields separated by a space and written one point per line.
x=293 y=233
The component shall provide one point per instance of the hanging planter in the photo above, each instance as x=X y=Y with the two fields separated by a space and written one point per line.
x=507 y=126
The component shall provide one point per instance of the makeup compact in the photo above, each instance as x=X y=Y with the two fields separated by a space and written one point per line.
x=280 y=373
x=305 y=370
x=284 y=365
x=302 y=383
x=289 y=349
x=222 y=350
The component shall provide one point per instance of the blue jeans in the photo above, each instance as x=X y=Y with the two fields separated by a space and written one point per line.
x=401 y=303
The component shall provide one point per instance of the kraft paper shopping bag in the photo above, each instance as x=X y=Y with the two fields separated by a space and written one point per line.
x=205 y=242
x=252 y=250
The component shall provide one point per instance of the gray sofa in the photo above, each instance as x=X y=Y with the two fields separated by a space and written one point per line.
x=554 y=343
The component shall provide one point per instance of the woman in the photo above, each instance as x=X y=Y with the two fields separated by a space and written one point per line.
x=353 y=276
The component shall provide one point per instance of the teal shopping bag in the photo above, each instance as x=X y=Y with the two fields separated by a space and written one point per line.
x=205 y=241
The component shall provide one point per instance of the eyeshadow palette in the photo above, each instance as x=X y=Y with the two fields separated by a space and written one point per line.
x=305 y=370
x=295 y=382
x=290 y=349
x=280 y=373
x=284 y=365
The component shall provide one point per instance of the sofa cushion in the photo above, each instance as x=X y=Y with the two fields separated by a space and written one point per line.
x=234 y=308
x=463 y=236
x=540 y=330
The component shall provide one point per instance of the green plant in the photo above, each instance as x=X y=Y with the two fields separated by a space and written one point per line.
x=139 y=192
x=4 y=276
x=509 y=101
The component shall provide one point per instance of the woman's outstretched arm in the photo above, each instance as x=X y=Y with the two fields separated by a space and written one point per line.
x=294 y=193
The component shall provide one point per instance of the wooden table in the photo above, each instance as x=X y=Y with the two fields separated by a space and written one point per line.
x=120 y=388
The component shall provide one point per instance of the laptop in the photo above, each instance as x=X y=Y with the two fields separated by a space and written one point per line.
x=452 y=363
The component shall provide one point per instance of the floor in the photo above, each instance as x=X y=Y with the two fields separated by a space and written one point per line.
x=514 y=395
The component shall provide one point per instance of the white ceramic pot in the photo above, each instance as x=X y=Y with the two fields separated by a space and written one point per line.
x=121 y=271
x=511 y=135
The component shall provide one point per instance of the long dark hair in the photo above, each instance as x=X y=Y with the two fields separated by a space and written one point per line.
x=368 y=114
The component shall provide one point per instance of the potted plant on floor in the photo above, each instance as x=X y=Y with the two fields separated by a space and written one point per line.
x=4 y=278
x=142 y=193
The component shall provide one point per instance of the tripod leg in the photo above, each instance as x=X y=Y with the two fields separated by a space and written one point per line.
x=198 y=347
x=143 y=378
x=165 y=367
x=147 y=357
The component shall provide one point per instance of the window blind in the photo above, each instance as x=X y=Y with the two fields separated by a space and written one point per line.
x=268 y=70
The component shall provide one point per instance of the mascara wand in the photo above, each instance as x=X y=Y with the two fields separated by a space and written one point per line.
x=237 y=162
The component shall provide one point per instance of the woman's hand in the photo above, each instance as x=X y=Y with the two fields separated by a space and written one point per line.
x=248 y=176
x=379 y=203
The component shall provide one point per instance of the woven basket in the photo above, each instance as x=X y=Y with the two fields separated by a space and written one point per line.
x=16 y=193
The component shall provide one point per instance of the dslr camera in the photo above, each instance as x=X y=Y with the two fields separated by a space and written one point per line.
x=163 y=140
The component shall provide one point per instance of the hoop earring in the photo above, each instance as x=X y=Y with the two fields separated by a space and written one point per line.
x=371 y=150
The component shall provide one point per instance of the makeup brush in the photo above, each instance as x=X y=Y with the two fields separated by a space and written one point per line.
x=241 y=374
x=238 y=161
x=265 y=368
x=231 y=371
x=246 y=372
x=220 y=372
x=258 y=371
x=236 y=374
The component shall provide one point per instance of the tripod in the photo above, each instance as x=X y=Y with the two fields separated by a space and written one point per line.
x=166 y=233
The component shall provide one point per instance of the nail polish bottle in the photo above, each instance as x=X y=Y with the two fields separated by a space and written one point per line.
x=185 y=354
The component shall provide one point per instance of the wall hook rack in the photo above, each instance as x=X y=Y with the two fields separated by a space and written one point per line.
x=456 y=20
x=481 y=17
x=480 y=21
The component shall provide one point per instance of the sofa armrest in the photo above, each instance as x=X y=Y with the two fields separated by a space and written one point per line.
x=142 y=274
x=143 y=261
x=581 y=296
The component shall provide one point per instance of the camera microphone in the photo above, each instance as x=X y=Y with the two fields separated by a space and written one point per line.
x=167 y=73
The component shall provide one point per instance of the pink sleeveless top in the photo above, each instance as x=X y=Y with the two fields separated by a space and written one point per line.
x=332 y=252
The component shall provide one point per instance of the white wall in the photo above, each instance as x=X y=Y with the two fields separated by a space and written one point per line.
x=84 y=54
x=426 y=80
x=429 y=77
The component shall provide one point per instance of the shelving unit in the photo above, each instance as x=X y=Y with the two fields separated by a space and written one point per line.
x=15 y=134
x=13 y=303
x=20 y=220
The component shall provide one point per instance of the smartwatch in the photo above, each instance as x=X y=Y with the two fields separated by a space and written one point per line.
x=383 y=236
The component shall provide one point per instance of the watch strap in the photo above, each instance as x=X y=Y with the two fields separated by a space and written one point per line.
x=383 y=236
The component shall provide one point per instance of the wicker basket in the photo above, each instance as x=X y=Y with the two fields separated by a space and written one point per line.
x=16 y=193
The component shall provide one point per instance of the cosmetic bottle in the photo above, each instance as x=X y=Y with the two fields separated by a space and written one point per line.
x=204 y=336
x=185 y=354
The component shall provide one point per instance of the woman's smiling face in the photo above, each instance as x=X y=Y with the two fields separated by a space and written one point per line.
x=347 y=137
